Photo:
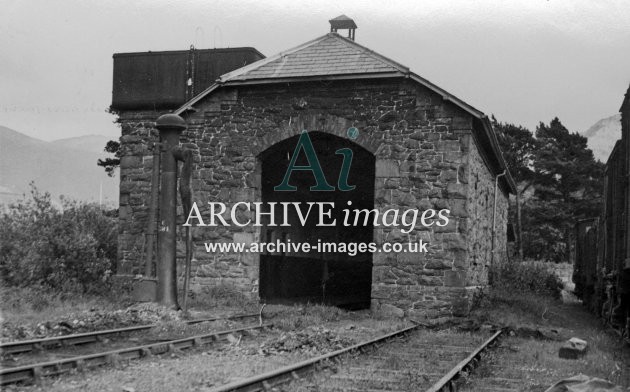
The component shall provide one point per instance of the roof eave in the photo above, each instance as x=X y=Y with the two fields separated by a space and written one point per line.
x=446 y=96
x=349 y=76
x=189 y=105
x=494 y=145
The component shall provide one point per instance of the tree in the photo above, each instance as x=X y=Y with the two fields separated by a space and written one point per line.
x=519 y=147
x=110 y=164
x=568 y=183
x=567 y=171
x=558 y=183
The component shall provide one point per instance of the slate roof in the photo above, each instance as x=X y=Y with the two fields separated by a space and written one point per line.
x=330 y=54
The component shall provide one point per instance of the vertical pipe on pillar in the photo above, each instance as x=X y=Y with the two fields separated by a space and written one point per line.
x=170 y=126
x=185 y=191
x=153 y=211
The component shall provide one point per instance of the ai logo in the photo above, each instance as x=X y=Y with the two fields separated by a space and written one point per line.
x=321 y=184
x=353 y=133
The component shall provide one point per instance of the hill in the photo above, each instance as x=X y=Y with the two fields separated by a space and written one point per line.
x=65 y=167
x=602 y=136
x=91 y=143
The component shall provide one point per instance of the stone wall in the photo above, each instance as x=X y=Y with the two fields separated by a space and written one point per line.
x=480 y=207
x=426 y=158
x=137 y=138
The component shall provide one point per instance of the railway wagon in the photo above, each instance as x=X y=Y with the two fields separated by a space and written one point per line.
x=585 y=267
x=602 y=262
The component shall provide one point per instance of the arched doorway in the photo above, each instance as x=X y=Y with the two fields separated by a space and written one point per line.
x=334 y=278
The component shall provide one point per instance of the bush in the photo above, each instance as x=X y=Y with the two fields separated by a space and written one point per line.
x=71 y=248
x=526 y=277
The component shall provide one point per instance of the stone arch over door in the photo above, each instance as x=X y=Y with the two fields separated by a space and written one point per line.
x=327 y=123
x=335 y=278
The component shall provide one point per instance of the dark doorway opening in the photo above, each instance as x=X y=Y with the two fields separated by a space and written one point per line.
x=332 y=278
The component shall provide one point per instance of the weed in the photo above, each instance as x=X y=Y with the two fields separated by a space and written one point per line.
x=300 y=316
x=221 y=296
x=28 y=305
x=526 y=278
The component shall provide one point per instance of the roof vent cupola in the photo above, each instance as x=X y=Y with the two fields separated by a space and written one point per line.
x=342 y=22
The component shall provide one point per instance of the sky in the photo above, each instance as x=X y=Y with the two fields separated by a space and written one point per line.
x=523 y=61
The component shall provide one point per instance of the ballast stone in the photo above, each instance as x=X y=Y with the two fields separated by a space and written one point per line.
x=573 y=348
x=387 y=310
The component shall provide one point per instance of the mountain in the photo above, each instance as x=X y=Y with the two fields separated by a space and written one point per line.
x=603 y=135
x=65 y=167
x=92 y=143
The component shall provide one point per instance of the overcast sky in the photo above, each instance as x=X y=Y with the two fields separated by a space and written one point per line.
x=524 y=61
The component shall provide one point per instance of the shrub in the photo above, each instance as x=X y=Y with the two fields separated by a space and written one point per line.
x=522 y=293
x=526 y=277
x=69 y=248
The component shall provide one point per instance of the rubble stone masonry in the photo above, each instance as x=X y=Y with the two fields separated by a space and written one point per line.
x=426 y=153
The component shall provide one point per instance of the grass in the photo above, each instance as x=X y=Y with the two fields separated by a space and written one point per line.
x=294 y=317
x=520 y=308
x=354 y=325
x=535 y=362
x=221 y=296
x=32 y=305
x=30 y=312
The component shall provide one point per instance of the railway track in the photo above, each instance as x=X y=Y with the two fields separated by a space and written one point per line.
x=24 y=346
x=408 y=359
x=35 y=372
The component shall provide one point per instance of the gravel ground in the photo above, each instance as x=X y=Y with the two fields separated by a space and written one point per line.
x=300 y=333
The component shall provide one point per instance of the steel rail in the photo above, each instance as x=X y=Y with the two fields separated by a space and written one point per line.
x=446 y=383
x=38 y=370
x=266 y=381
x=23 y=346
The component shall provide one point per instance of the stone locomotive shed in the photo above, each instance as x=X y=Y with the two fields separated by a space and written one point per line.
x=418 y=147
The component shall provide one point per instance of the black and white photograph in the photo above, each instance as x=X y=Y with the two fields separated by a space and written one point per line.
x=323 y=196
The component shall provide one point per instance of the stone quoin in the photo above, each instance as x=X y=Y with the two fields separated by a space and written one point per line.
x=415 y=147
